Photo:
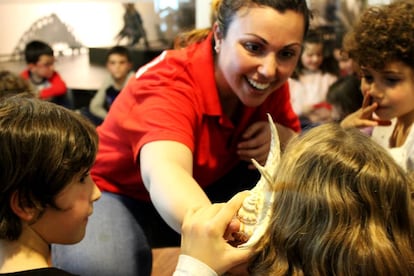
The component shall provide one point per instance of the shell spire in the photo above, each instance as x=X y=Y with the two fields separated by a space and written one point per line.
x=255 y=212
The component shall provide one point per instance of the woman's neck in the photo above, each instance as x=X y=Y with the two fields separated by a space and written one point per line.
x=228 y=99
x=230 y=107
x=28 y=252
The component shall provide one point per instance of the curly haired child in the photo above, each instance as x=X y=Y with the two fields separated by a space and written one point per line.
x=382 y=44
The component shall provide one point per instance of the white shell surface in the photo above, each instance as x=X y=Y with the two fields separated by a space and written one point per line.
x=255 y=213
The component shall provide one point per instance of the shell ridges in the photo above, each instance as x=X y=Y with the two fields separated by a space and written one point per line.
x=255 y=213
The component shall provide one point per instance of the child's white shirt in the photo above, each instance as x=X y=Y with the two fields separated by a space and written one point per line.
x=189 y=266
x=403 y=155
x=310 y=89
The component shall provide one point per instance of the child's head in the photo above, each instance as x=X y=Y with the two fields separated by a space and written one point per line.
x=383 y=34
x=39 y=58
x=346 y=65
x=382 y=44
x=344 y=96
x=11 y=84
x=313 y=53
x=46 y=153
x=119 y=62
x=342 y=206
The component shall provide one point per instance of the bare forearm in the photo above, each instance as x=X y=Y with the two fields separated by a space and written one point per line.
x=174 y=199
x=166 y=169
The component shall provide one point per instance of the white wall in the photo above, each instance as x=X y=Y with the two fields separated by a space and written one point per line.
x=203 y=9
x=94 y=23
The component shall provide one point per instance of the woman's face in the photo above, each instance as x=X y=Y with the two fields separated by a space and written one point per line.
x=258 y=54
x=392 y=89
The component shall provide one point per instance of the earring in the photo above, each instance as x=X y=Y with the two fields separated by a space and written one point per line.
x=217 y=48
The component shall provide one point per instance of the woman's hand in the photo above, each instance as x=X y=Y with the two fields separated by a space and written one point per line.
x=203 y=233
x=256 y=143
x=363 y=117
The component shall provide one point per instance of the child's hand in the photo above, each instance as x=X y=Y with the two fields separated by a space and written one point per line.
x=363 y=117
x=203 y=233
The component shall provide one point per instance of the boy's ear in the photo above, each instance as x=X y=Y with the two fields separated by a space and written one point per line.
x=23 y=212
x=30 y=66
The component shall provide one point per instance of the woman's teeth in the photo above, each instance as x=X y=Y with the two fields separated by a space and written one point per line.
x=258 y=85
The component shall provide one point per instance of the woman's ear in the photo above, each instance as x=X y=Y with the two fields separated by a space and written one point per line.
x=217 y=37
x=23 y=212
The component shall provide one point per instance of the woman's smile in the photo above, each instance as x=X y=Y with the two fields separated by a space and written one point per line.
x=258 y=85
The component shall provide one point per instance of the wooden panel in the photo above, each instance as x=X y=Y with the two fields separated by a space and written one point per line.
x=164 y=260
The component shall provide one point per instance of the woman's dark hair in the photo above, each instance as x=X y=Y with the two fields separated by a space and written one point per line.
x=228 y=8
x=225 y=10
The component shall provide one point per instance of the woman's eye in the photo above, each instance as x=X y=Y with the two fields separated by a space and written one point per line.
x=252 y=47
x=287 y=54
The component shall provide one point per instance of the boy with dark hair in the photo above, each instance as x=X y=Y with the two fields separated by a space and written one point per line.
x=41 y=73
x=46 y=192
x=118 y=65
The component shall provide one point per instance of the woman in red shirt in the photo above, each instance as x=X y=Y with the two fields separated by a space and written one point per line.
x=182 y=133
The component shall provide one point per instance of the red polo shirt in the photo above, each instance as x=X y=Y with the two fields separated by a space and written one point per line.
x=174 y=97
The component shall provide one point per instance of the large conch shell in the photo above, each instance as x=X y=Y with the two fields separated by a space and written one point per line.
x=255 y=213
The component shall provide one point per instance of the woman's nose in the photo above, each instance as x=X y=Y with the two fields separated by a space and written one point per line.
x=268 y=67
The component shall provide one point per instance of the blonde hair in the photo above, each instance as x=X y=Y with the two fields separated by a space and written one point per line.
x=342 y=207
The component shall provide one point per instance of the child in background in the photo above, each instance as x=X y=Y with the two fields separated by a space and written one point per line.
x=119 y=65
x=345 y=97
x=310 y=82
x=333 y=214
x=41 y=73
x=46 y=192
x=346 y=65
x=11 y=84
x=387 y=72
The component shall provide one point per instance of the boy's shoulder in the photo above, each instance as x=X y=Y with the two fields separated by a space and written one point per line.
x=50 y=271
